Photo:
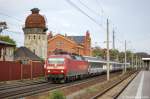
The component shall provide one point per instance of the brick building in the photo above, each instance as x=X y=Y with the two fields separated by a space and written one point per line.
x=73 y=44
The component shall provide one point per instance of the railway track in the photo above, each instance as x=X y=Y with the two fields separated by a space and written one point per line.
x=23 y=91
x=19 y=84
x=113 y=85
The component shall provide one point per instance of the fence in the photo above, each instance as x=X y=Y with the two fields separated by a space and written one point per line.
x=17 y=71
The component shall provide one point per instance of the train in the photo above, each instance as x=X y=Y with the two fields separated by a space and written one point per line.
x=67 y=67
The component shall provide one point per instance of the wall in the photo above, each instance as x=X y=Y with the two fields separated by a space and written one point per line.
x=15 y=71
x=65 y=46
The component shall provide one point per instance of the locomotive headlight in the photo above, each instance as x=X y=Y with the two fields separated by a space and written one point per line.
x=62 y=71
x=49 y=71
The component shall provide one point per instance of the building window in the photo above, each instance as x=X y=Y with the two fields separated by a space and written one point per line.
x=24 y=61
x=29 y=37
x=43 y=37
x=34 y=36
x=39 y=37
x=59 y=43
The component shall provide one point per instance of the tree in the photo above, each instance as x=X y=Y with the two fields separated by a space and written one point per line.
x=98 y=52
x=7 y=39
x=3 y=25
x=129 y=56
x=121 y=57
x=114 y=54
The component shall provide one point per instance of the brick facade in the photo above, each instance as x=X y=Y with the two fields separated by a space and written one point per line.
x=73 y=44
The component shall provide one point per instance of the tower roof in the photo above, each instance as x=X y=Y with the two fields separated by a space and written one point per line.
x=35 y=20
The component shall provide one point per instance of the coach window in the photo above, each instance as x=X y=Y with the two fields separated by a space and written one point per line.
x=73 y=57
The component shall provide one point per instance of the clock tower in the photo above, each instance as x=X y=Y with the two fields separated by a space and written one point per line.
x=35 y=33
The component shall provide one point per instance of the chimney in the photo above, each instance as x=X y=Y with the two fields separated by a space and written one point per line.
x=65 y=35
x=50 y=34
x=87 y=33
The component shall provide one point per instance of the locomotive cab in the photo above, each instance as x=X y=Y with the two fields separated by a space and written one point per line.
x=55 y=68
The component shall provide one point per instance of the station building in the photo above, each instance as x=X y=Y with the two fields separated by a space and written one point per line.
x=72 y=44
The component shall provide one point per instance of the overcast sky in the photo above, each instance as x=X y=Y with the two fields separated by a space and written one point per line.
x=130 y=18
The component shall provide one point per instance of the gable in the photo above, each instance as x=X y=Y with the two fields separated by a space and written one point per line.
x=61 y=38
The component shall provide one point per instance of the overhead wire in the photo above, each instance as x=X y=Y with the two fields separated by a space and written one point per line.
x=83 y=12
x=3 y=14
x=91 y=10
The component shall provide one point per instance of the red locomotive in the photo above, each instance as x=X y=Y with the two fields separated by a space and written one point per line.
x=61 y=68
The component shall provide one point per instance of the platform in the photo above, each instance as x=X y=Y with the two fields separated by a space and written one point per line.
x=139 y=88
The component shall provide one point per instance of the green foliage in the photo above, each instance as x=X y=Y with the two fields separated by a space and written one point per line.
x=122 y=56
x=103 y=52
x=115 y=55
x=98 y=52
x=7 y=39
x=57 y=95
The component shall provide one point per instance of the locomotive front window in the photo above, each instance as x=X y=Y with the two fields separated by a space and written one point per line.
x=56 y=60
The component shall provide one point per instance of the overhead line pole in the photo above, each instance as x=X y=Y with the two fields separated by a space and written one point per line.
x=125 y=57
x=113 y=39
x=136 y=61
x=132 y=60
x=108 y=56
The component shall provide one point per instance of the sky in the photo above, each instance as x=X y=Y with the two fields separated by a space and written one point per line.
x=129 y=18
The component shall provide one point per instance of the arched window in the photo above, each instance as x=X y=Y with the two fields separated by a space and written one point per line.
x=29 y=37
x=34 y=36
x=39 y=37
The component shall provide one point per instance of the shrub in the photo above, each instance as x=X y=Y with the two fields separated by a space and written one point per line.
x=57 y=95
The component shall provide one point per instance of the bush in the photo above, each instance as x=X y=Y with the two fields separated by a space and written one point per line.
x=57 y=95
